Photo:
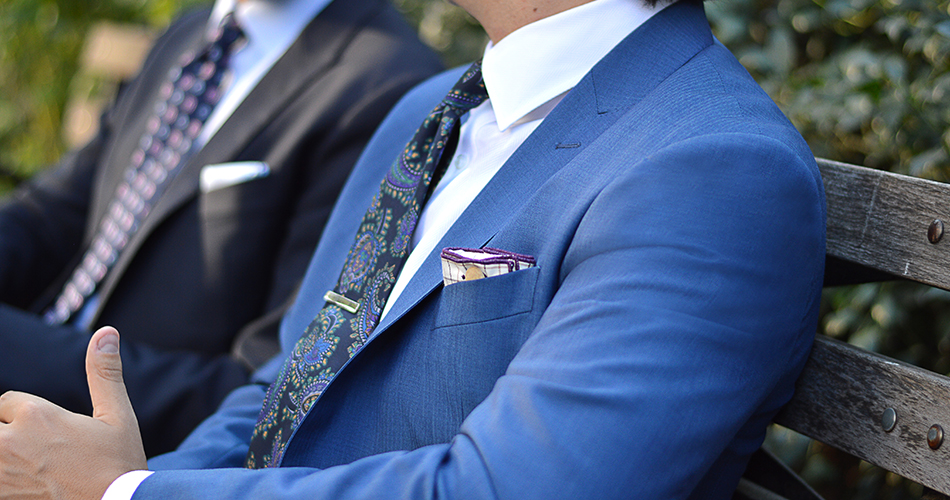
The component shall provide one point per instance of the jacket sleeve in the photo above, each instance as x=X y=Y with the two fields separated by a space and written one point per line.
x=680 y=321
x=42 y=223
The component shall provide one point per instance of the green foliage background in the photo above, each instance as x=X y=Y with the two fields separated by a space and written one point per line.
x=40 y=42
x=866 y=81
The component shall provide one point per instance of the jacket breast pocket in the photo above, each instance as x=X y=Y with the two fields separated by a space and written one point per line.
x=488 y=299
x=247 y=199
x=479 y=328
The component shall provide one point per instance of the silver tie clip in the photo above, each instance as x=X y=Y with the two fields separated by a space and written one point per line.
x=350 y=306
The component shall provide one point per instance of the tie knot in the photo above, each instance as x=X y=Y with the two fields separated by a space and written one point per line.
x=227 y=33
x=468 y=92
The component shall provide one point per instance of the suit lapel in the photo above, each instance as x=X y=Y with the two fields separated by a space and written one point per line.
x=614 y=86
x=528 y=168
x=307 y=59
x=133 y=116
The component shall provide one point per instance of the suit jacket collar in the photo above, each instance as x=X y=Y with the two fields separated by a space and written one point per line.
x=306 y=60
x=615 y=85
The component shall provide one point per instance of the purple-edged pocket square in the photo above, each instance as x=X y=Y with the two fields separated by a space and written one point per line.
x=467 y=264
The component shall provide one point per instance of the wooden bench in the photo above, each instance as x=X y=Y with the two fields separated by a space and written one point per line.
x=892 y=414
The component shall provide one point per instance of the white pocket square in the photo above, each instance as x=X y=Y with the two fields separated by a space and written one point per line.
x=467 y=264
x=222 y=175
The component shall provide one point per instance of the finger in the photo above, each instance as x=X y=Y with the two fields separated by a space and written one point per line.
x=110 y=402
x=13 y=404
x=7 y=407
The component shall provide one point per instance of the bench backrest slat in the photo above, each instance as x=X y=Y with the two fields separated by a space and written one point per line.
x=841 y=398
x=879 y=221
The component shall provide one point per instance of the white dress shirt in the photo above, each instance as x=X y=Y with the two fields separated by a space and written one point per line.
x=526 y=74
x=270 y=27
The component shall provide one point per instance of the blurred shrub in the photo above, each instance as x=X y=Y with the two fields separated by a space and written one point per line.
x=866 y=81
x=446 y=28
x=40 y=42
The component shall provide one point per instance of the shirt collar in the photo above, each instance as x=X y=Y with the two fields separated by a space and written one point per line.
x=268 y=20
x=545 y=59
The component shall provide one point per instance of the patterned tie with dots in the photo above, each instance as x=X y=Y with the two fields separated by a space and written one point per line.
x=187 y=99
x=353 y=308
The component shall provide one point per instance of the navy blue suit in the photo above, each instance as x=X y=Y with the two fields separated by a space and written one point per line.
x=677 y=219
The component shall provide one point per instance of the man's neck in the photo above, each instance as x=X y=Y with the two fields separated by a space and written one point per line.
x=501 y=17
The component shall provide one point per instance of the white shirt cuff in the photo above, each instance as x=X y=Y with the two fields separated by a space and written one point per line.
x=125 y=485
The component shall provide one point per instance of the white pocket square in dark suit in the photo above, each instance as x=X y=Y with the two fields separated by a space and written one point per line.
x=222 y=175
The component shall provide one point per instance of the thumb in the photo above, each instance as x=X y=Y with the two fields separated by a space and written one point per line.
x=110 y=402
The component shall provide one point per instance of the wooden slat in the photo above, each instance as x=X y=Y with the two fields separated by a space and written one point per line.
x=843 y=393
x=880 y=219
x=116 y=51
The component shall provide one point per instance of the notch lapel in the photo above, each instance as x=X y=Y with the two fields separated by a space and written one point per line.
x=536 y=160
x=613 y=87
x=308 y=58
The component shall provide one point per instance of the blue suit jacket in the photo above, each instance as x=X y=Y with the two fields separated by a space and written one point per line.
x=677 y=219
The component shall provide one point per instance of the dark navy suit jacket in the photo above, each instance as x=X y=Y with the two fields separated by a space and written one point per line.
x=199 y=290
x=678 y=223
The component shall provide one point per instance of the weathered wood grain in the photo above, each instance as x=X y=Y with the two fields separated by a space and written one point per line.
x=880 y=219
x=841 y=397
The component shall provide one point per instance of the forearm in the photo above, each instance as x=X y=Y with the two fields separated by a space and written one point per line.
x=654 y=368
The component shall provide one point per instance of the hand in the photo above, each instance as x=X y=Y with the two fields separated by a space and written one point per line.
x=47 y=452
